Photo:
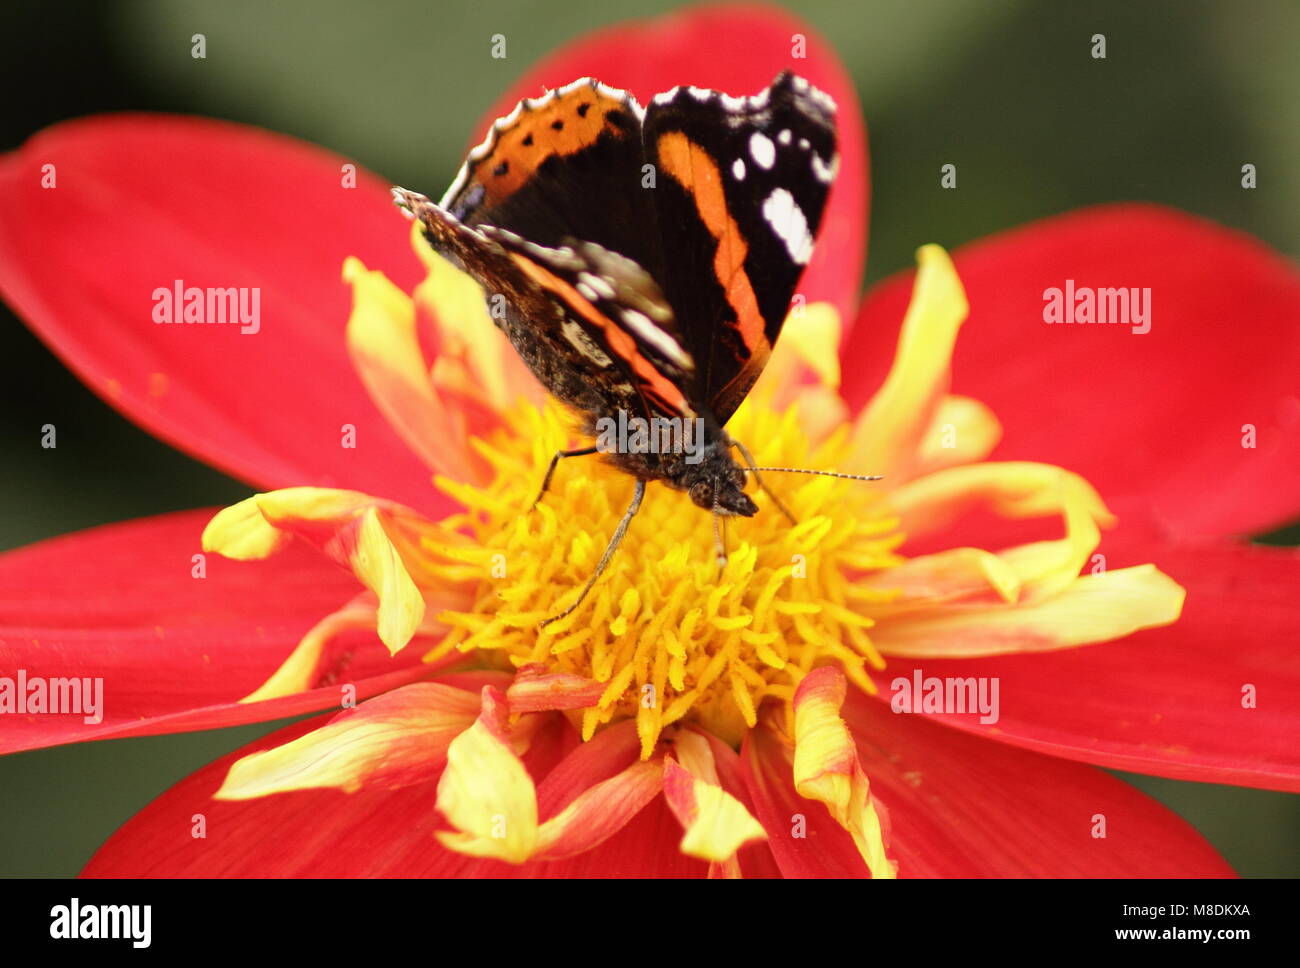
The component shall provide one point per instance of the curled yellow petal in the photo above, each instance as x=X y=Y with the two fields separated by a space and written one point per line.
x=392 y=740
x=1046 y=567
x=889 y=433
x=378 y=540
x=963 y=431
x=485 y=791
x=380 y=568
x=826 y=766
x=242 y=533
x=1013 y=489
x=716 y=823
x=382 y=341
x=1092 y=608
x=928 y=581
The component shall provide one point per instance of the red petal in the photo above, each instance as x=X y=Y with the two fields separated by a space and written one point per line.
x=175 y=652
x=756 y=859
x=1167 y=701
x=737 y=49
x=962 y=806
x=802 y=836
x=369 y=833
x=144 y=200
x=1155 y=421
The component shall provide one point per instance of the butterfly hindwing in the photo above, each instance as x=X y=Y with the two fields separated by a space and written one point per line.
x=621 y=310
x=559 y=335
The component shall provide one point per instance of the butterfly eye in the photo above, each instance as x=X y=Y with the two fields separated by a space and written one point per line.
x=701 y=493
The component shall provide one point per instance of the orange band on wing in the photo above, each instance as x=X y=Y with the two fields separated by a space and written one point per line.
x=619 y=341
x=696 y=172
x=563 y=126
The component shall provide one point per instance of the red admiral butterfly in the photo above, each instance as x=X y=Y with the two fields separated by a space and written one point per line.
x=647 y=257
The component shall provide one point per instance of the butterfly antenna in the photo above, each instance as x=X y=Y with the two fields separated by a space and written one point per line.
x=806 y=470
x=749 y=459
x=614 y=542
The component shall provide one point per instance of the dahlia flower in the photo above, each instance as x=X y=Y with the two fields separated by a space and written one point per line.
x=1060 y=515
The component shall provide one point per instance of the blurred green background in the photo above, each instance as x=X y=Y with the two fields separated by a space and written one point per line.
x=1188 y=93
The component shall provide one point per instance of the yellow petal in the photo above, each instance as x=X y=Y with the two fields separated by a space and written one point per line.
x=393 y=740
x=1013 y=489
x=826 y=766
x=474 y=358
x=485 y=791
x=1092 y=608
x=298 y=672
x=963 y=431
x=377 y=539
x=810 y=338
x=377 y=563
x=291 y=506
x=382 y=341
x=716 y=823
x=1046 y=567
x=804 y=371
x=928 y=581
x=242 y=533
x=889 y=433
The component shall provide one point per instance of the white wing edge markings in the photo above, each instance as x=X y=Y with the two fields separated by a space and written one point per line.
x=754 y=102
x=482 y=150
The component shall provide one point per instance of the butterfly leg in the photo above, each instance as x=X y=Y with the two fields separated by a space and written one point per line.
x=550 y=471
x=614 y=542
x=753 y=469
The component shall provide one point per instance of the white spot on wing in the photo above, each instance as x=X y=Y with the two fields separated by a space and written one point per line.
x=825 y=173
x=787 y=220
x=738 y=169
x=784 y=136
x=762 y=150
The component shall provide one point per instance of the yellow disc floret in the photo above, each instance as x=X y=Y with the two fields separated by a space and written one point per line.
x=668 y=636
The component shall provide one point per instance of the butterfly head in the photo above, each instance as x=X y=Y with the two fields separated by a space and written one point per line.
x=718 y=484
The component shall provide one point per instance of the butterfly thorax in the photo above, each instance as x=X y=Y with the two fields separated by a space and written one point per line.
x=708 y=474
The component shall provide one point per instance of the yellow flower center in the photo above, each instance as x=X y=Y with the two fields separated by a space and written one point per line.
x=668 y=635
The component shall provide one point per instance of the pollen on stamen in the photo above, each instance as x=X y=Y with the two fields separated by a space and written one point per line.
x=670 y=639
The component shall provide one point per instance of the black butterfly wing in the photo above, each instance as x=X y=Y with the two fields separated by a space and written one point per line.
x=556 y=331
x=623 y=313
x=550 y=212
x=567 y=165
x=660 y=295
x=741 y=189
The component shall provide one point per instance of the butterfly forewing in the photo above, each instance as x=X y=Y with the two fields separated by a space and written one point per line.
x=742 y=188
